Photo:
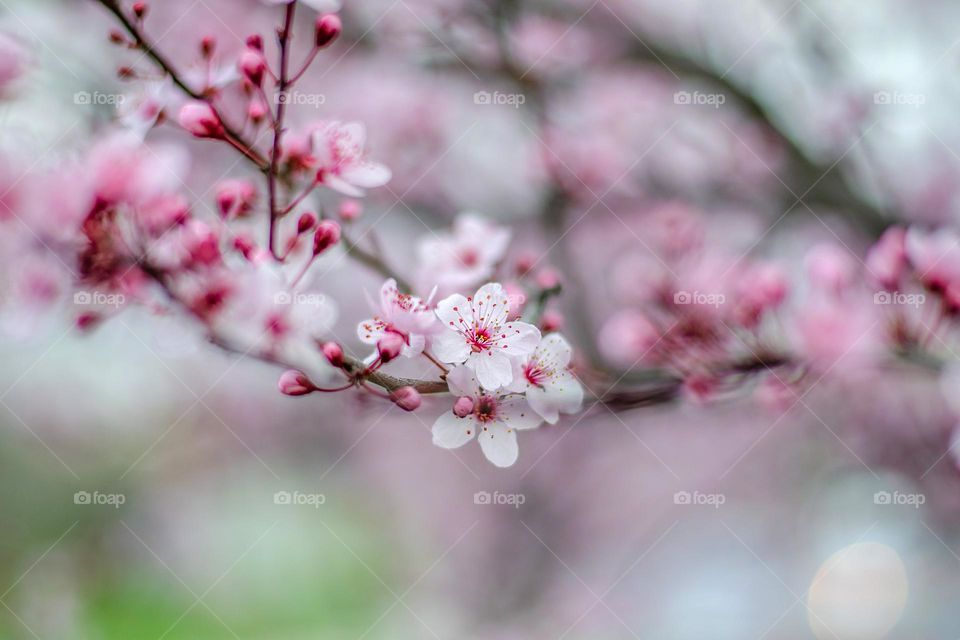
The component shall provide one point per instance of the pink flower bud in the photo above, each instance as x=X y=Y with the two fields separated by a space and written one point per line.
x=333 y=354
x=327 y=235
x=407 y=398
x=350 y=210
x=140 y=9
x=252 y=66
x=548 y=278
x=207 y=46
x=463 y=407
x=306 y=223
x=201 y=120
x=525 y=263
x=295 y=383
x=328 y=28
x=236 y=198
x=390 y=346
x=245 y=245
x=255 y=42
x=257 y=110
x=551 y=321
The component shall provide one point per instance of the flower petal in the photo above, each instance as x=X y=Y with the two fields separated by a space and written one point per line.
x=518 y=339
x=499 y=444
x=450 y=347
x=561 y=394
x=491 y=306
x=554 y=351
x=450 y=432
x=516 y=413
x=454 y=312
x=370 y=331
x=366 y=174
x=494 y=370
x=463 y=382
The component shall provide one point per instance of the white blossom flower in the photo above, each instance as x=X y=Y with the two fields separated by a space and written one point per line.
x=338 y=153
x=463 y=257
x=494 y=421
x=479 y=335
x=546 y=381
x=405 y=315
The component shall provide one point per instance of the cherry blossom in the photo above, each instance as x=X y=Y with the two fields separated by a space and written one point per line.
x=463 y=257
x=479 y=335
x=404 y=315
x=494 y=419
x=550 y=387
x=338 y=154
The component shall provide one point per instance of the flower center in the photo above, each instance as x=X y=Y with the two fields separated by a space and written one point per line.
x=479 y=339
x=485 y=409
x=536 y=373
x=469 y=257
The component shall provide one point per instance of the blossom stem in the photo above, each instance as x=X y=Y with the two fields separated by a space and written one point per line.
x=282 y=86
x=428 y=356
x=300 y=198
x=306 y=64
x=135 y=32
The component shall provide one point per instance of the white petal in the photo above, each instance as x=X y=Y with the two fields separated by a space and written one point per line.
x=517 y=414
x=341 y=186
x=562 y=394
x=323 y=6
x=367 y=174
x=388 y=293
x=451 y=432
x=415 y=348
x=450 y=347
x=463 y=382
x=494 y=370
x=499 y=444
x=554 y=351
x=519 y=339
x=370 y=331
x=454 y=312
x=491 y=305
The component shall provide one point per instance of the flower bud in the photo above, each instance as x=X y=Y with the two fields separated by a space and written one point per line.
x=349 y=210
x=306 y=223
x=252 y=66
x=328 y=28
x=390 y=346
x=327 y=235
x=245 y=245
x=235 y=198
x=463 y=407
x=333 y=354
x=201 y=120
x=551 y=321
x=140 y=9
x=407 y=398
x=117 y=38
x=547 y=278
x=295 y=383
x=255 y=42
x=207 y=46
x=257 y=110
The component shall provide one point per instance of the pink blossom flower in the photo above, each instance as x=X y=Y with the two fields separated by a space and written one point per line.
x=887 y=259
x=935 y=256
x=339 y=157
x=400 y=314
x=480 y=336
x=463 y=257
x=494 y=420
x=550 y=387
